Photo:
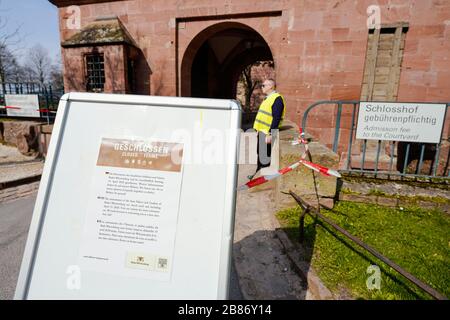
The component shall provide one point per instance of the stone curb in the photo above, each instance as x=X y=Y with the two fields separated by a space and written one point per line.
x=19 y=188
x=317 y=290
x=19 y=182
x=21 y=191
x=392 y=202
x=13 y=163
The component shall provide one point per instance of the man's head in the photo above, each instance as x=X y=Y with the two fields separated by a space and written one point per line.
x=268 y=86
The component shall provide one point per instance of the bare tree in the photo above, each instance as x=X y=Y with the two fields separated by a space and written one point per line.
x=29 y=75
x=16 y=72
x=56 y=74
x=7 y=63
x=252 y=76
x=39 y=63
x=249 y=84
x=9 y=46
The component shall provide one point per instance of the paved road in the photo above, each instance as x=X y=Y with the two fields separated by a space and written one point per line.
x=15 y=218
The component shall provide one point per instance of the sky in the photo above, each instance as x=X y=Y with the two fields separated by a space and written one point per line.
x=39 y=24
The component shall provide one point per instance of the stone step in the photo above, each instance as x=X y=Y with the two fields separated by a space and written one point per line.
x=384 y=162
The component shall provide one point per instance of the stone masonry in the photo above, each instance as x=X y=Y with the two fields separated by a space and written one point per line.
x=318 y=46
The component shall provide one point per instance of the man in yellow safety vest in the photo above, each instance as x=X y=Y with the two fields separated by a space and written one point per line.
x=268 y=119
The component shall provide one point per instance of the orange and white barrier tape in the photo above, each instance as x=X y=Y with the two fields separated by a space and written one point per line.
x=313 y=166
x=321 y=169
x=14 y=107
x=301 y=140
x=11 y=107
x=266 y=178
x=263 y=179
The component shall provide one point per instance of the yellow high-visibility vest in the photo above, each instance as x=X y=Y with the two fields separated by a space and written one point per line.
x=264 y=117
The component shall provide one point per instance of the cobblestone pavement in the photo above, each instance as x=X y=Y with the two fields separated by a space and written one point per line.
x=263 y=268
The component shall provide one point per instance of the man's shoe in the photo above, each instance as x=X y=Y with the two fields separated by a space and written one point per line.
x=250 y=177
x=268 y=171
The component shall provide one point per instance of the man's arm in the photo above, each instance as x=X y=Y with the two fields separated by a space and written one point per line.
x=277 y=112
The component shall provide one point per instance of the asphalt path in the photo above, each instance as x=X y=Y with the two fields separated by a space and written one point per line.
x=15 y=218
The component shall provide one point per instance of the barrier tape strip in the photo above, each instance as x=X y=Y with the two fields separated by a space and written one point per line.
x=301 y=140
x=313 y=166
x=321 y=169
x=41 y=110
x=263 y=179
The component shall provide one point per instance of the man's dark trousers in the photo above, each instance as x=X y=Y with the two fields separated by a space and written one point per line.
x=263 y=150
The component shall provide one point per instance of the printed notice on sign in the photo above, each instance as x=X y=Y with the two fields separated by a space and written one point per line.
x=413 y=122
x=132 y=213
x=22 y=105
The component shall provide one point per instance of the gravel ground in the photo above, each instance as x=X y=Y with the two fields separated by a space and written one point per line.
x=13 y=171
x=11 y=154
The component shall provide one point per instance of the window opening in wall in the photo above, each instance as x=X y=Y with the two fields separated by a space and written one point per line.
x=95 y=73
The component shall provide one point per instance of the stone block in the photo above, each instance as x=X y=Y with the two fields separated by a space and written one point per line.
x=388 y=202
x=340 y=33
x=340 y=92
x=46 y=128
x=427 y=204
x=22 y=134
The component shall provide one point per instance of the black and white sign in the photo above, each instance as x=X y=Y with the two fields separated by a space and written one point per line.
x=412 y=122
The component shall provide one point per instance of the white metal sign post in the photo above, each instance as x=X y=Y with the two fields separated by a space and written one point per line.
x=136 y=201
x=412 y=122
x=22 y=105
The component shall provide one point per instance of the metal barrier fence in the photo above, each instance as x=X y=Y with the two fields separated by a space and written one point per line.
x=406 y=151
x=48 y=97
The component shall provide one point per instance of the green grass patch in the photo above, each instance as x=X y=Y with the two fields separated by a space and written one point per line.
x=416 y=239
x=417 y=199
x=349 y=191
x=376 y=192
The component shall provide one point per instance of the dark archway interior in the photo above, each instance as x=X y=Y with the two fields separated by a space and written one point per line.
x=220 y=60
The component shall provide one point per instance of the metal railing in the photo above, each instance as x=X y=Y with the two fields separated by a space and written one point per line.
x=314 y=213
x=48 y=97
x=404 y=157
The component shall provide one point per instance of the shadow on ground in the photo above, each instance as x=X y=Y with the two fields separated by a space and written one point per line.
x=265 y=270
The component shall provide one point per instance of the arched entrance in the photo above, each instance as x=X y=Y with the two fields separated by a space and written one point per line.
x=215 y=58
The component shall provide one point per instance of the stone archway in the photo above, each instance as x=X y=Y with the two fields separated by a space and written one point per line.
x=214 y=59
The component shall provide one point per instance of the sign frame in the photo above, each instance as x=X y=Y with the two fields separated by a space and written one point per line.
x=42 y=201
x=444 y=104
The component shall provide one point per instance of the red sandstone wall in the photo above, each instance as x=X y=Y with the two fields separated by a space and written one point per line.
x=318 y=45
x=113 y=62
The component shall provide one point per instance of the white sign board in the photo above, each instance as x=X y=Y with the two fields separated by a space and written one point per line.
x=413 y=122
x=22 y=105
x=129 y=206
